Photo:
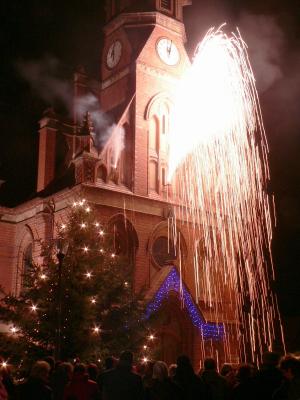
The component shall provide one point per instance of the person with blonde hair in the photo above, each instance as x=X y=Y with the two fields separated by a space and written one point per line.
x=36 y=387
x=162 y=387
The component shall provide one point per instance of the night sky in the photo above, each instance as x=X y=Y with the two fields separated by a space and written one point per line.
x=70 y=33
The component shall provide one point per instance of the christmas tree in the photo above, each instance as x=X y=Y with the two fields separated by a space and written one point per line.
x=80 y=302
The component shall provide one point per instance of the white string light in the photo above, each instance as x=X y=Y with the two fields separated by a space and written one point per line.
x=96 y=329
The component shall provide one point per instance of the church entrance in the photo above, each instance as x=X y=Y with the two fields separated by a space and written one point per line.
x=174 y=331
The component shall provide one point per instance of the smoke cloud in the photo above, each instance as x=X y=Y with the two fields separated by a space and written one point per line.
x=104 y=128
x=276 y=63
x=276 y=68
x=265 y=43
x=43 y=78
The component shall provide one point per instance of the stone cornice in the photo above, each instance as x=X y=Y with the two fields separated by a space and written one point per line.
x=157 y=72
x=115 y=78
x=146 y=18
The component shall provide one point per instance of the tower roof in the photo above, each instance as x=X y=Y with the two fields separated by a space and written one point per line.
x=173 y=8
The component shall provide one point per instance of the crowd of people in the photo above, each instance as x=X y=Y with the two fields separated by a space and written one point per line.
x=122 y=380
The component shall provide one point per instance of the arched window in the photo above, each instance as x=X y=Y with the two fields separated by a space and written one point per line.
x=27 y=261
x=163 y=177
x=27 y=258
x=154 y=135
x=125 y=240
x=158 y=115
x=166 y=4
x=126 y=158
x=102 y=173
x=153 y=176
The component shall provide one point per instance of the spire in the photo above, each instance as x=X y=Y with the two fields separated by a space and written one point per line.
x=87 y=128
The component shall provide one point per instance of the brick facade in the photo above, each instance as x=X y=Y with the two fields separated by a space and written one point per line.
x=137 y=84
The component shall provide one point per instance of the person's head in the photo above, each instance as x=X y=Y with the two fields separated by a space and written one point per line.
x=244 y=372
x=40 y=370
x=80 y=369
x=184 y=366
x=126 y=359
x=270 y=359
x=172 y=370
x=226 y=369
x=65 y=370
x=290 y=367
x=109 y=362
x=210 y=364
x=92 y=370
x=51 y=362
x=160 y=371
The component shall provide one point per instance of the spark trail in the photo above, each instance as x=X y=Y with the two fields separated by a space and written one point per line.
x=218 y=164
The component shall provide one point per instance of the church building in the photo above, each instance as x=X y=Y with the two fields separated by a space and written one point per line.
x=116 y=158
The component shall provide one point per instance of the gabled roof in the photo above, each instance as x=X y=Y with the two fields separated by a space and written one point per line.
x=173 y=283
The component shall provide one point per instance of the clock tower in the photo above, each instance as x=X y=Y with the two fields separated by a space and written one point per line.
x=142 y=61
x=143 y=57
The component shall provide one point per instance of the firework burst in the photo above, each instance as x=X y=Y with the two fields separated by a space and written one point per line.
x=219 y=169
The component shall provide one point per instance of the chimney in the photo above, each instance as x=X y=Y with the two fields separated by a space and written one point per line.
x=47 y=146
x=80 y=90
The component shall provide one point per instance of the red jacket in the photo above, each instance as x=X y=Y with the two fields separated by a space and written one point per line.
x=81 y=388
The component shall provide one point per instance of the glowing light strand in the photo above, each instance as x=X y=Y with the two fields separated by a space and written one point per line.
x=173 y=283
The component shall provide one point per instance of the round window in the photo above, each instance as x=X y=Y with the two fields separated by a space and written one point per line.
x=163 y=251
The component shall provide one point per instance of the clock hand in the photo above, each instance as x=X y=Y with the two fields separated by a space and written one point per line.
x=169 y=47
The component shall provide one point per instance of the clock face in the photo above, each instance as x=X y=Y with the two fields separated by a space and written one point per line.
x=114 y=54
x=167 y=51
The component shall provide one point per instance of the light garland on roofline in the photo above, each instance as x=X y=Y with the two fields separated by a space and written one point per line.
x=172 y=283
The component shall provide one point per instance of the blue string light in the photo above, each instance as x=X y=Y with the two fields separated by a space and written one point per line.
x=172 y=283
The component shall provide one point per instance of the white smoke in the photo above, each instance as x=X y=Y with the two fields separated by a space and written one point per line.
x=43 y=78
x=104 y=128
x=265 y=42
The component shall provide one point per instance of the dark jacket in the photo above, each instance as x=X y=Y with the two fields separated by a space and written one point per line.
x=217 y=385
x=81 y=388
x=121 y=383
x=35 y=389
x=289 y=390
x=164 y=390
x=244 y=391
x=266 y=382
x=192 y=386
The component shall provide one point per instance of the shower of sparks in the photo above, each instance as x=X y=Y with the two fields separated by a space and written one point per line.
x=219 y=170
